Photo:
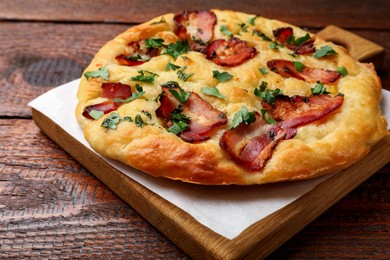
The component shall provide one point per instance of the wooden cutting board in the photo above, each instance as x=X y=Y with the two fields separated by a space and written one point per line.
x=261 y=238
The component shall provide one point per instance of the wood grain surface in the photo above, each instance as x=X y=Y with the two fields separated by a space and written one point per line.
x=50 y=206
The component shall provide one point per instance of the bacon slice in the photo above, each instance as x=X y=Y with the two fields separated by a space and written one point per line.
x=203 y=117
x=116 y=90
x=287 y=69
x=230 y=53
x=130 y=59
x=105 y=107
x=197 y=27
x=283 y=34
x=252 y=145
x=298 y=111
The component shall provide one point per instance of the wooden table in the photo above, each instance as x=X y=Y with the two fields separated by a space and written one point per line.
x=51 y=207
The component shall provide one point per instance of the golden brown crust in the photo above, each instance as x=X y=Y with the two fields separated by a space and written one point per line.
x=319 y=148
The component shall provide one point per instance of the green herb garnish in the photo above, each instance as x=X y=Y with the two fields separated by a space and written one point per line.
x=298 y=66
x=180 y=95
x=225 y=30
x=153 y=43
x=111 y=121
x=324 y=51
x=133 y=96
x=243 y=116
x=145 y=76
x=252 y=20
x=212 y=91
x=319 y=89
x=96 y=114
x=244 y=27
x=179 y=121
x=221 y=76
x=267 y=118
x=183 y=76
x=342 y=70
x=101 y=72
x=261 y=35
x=177 y=49
x=291 y=40
x=171 y=66
x=267 y=95
x=263 y=71
x=138 y=121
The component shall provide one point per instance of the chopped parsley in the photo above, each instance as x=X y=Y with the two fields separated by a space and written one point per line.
x=177 y=49
x=111 y=121
x=153 y=43
x=267 y=95
x=171 y=66
x=127 y=119
x=252 y=20
x=244 y=27
x=101 y=72
x=170 y=84
x=324 y=51
x=225 y=30
x=243 y=115
x=145 y=76
x=183 y=76
x=133 y=96
x=96 y=114
x=291 y=40
x=212 y=91
x=276 y=45
x=222 y=76
x=267 y=118
x=261 y=35
x=138 y=121
x=299 y=66
x=342 y=70
x=180 y=95
x=263 y=71
x=147 y=114
x=179 y=121
x=319 y=89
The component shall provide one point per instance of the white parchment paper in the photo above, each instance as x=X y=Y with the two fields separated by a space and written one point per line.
x=225 y=210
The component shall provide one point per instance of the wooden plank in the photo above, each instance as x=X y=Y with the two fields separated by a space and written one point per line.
x=52 y=207
x=33 y=64
x=368 y=14
x=199 y=242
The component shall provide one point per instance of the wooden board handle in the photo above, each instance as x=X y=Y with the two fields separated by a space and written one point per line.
x=358 y=47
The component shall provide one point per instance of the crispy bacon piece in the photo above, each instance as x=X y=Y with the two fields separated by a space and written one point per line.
x=230 y=53
x=252 y=145
x=287 y=69
x=116 y=90
x=283 y=34
x=203 y=117
x=298 y=111
x=105 y=107
x=196 y=27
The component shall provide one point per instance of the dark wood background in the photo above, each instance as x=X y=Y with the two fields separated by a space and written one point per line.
x=50 y=206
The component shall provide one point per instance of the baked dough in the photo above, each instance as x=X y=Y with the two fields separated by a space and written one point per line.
x=321 y=147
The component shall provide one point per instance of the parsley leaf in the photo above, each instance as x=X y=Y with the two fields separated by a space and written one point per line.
x=138 y=121
x=268 y=118
x=263 y=71
x=267 y=95
x=133 y=96
x=170 y=84
x=111 y=121
x=177 y=49
x=182 y=95
x=183 y=76
x=101 y=72
x=276 y=45
x=342 y=70
x=225 y=30
x=153 y=43
x=291 y=40
x=252 y=20
x=324 y=51
x=96 y=114
x=244 y=27
x=243 y=116
x=179 y=122
x=298 y=66
x=319 y=89
x=171 y=66
x=221 y=76
x=145 y=76
x=261 y=35
x=147 y=114
x=212 y=91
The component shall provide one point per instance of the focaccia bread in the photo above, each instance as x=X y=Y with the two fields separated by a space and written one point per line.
x=222 y=97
